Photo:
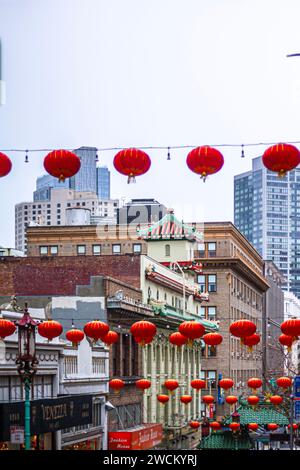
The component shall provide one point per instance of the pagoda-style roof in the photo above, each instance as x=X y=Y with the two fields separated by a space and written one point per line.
x=227 y=440
x=263 y=414
x=170 y=228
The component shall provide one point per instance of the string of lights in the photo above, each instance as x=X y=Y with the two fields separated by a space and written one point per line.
x=168 y=148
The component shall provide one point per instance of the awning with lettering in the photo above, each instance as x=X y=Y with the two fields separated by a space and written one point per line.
x=47 y=415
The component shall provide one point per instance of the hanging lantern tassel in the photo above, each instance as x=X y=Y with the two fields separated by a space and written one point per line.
x=243 y=153
x=169 y=155
x=131 y=179
x=26 y=156
x=96 y=158
x=203 y=176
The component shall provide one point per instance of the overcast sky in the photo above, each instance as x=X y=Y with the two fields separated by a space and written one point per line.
x=138 y=72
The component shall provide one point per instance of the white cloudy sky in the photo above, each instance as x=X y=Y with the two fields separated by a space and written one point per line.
x=139 y=72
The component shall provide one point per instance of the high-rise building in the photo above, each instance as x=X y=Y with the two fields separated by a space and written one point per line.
x=86 y=178
x=103 y=182
x=44 y=184
x=267 y=212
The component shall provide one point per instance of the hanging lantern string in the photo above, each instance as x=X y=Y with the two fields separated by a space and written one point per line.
x=159 y=147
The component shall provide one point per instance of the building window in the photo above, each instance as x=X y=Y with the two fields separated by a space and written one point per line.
x=212 y=247
x=207 y=282
x=43 y=250
x=207 y=351
x=201 y=282
x=53 y=250
x=210 y=378
x=98 y=364
x=81 y=249
x=208 y=313
x=96 y=249
x=168 y=250
x=212 y=283
x=116 y=249
x=137 y=248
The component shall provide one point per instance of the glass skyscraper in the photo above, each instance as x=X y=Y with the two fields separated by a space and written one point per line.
x=267 y=212
x=89 y=178
x=103 y=182
x=44 y=184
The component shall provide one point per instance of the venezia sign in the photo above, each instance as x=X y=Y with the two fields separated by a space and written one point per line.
x=47 y=415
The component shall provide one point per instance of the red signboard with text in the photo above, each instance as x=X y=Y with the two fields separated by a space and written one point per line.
x=146 y=437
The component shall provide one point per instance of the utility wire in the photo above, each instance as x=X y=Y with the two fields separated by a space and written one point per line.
x=155 y=147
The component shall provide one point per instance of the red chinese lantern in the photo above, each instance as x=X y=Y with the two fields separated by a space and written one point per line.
x=50 y=329
x=215 y=425
x=276 y=400
x=5 y=165
x=251 y=341
x=291 y=327
x=242 y=328
x=253 y=426
x=286 y=340
x=284 y=382
x=143 y=384
x=208 y=399
x=272 y=426
x=205 y=161
x=96 y=330
x=163 y=398
x=177 y=339
x=142 y=331
x=110 y=338
x=62 y=164
x=116 y=384
x=234 y=426
x=171 y=384
x=75 y=336
x=281 y=158
x=231 y=399
x=294 y=426
x=253 y=400
x=213 y=339
x=191 y=330
x=254 y=383
x=132 y=162
x=226 y=384
x=7 y=328
x=198 y=384
x=194 y=424
x=186 y=399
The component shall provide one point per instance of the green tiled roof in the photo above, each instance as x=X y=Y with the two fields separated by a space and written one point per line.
x=226 y=440
x=264 y=413
x=170 y=228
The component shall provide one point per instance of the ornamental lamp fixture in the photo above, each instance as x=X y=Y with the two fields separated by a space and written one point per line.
x=26 y=340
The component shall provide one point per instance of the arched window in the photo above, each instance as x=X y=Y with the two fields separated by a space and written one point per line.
x=168 y=250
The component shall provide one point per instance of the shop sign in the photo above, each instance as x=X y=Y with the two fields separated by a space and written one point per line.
x=140 y=439
x=17 y=434
x=47 y=415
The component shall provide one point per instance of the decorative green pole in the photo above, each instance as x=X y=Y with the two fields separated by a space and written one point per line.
x=27 y=383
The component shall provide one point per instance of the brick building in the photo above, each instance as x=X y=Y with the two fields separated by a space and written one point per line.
x=233 y=274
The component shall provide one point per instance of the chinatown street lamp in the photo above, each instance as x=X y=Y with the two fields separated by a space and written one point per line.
x=26 y=362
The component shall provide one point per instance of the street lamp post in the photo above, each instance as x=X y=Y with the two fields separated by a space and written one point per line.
x=26 y=362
